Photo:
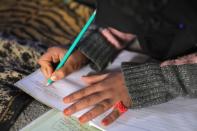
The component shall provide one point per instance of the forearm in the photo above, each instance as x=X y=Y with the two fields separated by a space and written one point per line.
x=98 y=51
x=154 y=83
x=101 y=46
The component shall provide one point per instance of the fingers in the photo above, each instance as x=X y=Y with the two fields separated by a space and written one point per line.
x=47 y=71
x=96 y=111
x=124 y=36
x=86 y=102
x=82 y=93
x=109 y=36
x=111 y=117
x=61 y=73
x=94 y=78
x=53 y=55
x=46 y=66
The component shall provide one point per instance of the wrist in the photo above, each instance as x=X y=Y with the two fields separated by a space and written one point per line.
x=80 y=58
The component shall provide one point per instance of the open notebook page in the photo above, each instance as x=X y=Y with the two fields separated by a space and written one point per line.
x=54 y=120
x=176 y=115
x=179 y=114
x=52 y=95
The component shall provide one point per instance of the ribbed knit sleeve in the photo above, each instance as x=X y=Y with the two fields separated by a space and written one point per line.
x=149 y=84
x=97 y=49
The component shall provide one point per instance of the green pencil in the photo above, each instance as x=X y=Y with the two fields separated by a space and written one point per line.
x=74 y=44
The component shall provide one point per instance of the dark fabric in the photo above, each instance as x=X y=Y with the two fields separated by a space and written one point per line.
x=149 y=84
x=90 y=3
x=165 y=28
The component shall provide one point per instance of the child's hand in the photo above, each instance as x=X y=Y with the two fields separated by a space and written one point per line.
x=54 y=55
x=102 y=93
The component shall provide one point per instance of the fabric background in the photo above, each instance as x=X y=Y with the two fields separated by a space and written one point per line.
x=27 y=29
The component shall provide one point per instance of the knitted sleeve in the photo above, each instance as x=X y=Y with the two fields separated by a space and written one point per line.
x=150 y=84
x=97 y=49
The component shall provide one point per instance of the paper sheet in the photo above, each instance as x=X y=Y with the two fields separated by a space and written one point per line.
x=52 y=95
x=54 y=120
x=179 y=114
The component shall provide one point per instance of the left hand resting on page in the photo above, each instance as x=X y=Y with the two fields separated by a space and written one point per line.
x=102 y=93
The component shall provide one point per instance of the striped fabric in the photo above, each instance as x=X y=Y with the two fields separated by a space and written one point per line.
x=48 y=21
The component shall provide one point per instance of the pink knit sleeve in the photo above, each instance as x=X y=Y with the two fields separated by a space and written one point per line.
x=188 y=59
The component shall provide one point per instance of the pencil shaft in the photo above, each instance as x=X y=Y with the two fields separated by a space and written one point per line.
x=74 y=44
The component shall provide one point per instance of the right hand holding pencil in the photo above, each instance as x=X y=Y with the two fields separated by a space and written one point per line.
x=53 y=56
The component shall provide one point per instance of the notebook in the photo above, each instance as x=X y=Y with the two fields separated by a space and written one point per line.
x=179 y=114
x=55 y=120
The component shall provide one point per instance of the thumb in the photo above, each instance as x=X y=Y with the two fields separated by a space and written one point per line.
x=59 y=74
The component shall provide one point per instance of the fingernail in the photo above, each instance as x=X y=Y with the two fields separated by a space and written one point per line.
x=53 y=78
x=65 y=100
x=82 y=119
x=67 y=112
x=105 y=122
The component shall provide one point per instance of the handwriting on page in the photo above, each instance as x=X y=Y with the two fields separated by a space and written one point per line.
x=48 y=90
x=54 y=120
x=71 y=124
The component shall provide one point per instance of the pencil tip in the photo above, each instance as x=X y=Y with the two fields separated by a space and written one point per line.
x=47 y=84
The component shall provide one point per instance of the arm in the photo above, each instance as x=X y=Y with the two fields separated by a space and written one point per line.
x=101 y=46
x=154 y=83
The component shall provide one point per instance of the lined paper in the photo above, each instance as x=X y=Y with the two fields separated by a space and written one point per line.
x=179 y=114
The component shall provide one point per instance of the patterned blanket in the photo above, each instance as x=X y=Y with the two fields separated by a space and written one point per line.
x=28 y=28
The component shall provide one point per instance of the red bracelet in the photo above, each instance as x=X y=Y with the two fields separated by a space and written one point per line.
x=120 y=107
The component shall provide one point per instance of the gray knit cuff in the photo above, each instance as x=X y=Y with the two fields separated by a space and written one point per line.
x=149 y=84
x=98 y=50
x=185 y=75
